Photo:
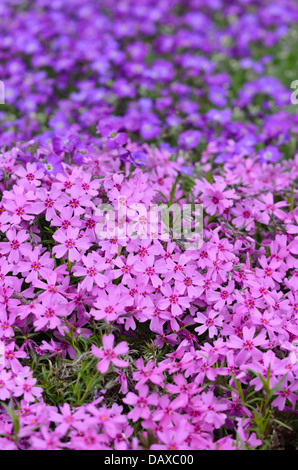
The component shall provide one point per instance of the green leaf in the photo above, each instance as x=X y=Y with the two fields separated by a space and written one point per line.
x=283 y=424
x=277 y=387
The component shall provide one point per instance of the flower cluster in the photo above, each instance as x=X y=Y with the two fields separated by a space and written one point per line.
x=107 y=336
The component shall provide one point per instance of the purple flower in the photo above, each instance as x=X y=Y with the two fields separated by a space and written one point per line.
x=149 y=130
x=217 y=96
x=65 y=143
x=52 y=165
x=219 y=115
x=167 y=147
x=269 y=155
x=246 y=144
x=189 y=139
x=186 y=170
x=138 y=158
x=109 y=353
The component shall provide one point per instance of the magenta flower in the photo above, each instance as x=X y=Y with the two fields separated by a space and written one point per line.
x=270 y=272
x=148 y=373
x=65 y=219
x=166 y=413
x=15 y=247
x=215 y=198
x=70 y=242
x=244 y=215
x=267 y=208
x=29 y=175
x=18 y=204
x=25 y=386
x=288 y=392
x=183 y=389
x=209 y=322
x=248 y=345
x=140 y=403
x=12 y=357
x=36 y=265
x=223 y=297
x=80 y=258
x=50 y=314
x=173 y=300
x=190 y=282
x=92 y=271
x=150 y=270
x=112 y=304
x=109 y=353
x=77 y=200
x=125 y=266
x=47 y=440
x=67 y=418
x=6 y=385
x=53 y=288
x=176 y=439
x=49 y=201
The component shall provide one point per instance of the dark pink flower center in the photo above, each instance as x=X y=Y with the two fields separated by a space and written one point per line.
x=74 y=203
x=70 y=243
x=49 y=202
x=91 y=272
x=15 y=245
x=35 y=266
x=149 y=271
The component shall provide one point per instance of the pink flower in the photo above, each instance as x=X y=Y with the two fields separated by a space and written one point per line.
x=149 y=372
x=18 y=204
x=214 y=197
x=269 y=272
x=244 y=213
x=25 y=386
x=174 y=439
x=49 y=201
x=92 y=270
x=112 y=304
x=49 y=316
x=166 y=412
x=67 y=419
x=248 y=344
x=183 y=389
x=222 y=298
x=29 y=175
x=140 y=403
x=267 y=208
x=36 y=265
x=125 y=266
x=287 y=392
x=66 y=219
x=70 y=242
x=47 y=440
x=6 y=385
x=109 y=353
x=77 y=200
x=173 y=300
x=15 y=245
x=150 y=270
x=210 y=322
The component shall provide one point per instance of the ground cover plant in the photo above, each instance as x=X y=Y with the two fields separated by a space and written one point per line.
x=146 y=341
